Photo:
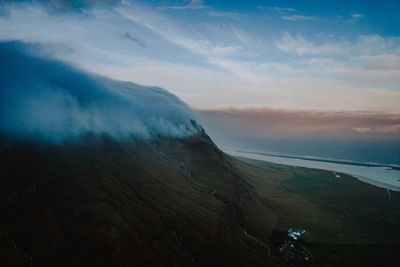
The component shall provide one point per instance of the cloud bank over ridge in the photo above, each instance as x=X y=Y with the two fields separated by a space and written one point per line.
x=47 y=99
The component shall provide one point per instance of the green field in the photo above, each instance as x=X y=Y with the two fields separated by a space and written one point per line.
x=348 y=222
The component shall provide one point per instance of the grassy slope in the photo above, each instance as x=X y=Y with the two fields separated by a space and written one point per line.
x=180 y=203
x=103 y=203
x=350 y=223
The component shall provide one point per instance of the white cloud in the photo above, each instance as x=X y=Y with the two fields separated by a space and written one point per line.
x=384 y=61
x=57 y=102
x=192 y=4
x=363 y=44
x=296 y=44
x=288 y=13
x=230 y=15
x=390 y=129
x=277 y=9
x=298 y=18
x=170 y=31
x=367 y=61
x=356 y=15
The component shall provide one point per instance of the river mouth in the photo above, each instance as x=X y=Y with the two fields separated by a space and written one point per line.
x=384 y=176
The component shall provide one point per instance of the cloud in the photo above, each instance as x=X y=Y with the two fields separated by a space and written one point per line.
x=368 y=60
x=71 y=6
x=46 y=99
x=359 y=135
x=277 y=9
x=347 y=19
x=288 y=13
x=192 y=4
x=300 y=123
x=382 y=61
x=296 y=44
x=229 y=15
x=298 y=18
x=391 y=129
x=162 y=27
x=195 y=4
x=362 y=129
x=362 y=45
x=356 y=16
x=135 y=40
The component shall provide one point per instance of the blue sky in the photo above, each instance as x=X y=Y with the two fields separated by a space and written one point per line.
x=293 y=55
x=327 y=16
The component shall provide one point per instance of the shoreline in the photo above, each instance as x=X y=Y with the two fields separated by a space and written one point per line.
x=328 y=160
x=367 y=174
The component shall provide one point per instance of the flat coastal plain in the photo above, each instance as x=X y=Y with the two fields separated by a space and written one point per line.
x=347 y=222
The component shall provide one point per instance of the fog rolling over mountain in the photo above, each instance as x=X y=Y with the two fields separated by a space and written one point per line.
x=47 y=99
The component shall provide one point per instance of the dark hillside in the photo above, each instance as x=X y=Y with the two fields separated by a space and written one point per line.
x=100 y=202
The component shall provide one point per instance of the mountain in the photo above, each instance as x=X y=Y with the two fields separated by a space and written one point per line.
x=165 y=202
x=97 y=172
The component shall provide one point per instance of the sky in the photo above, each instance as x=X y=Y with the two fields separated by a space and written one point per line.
x=341 y=55
x=253 y=56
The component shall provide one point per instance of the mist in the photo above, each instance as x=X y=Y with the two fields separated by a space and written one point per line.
x=356 y=136
x=42 y=98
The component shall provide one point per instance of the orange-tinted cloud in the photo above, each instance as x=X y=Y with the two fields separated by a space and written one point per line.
x=272 y=122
